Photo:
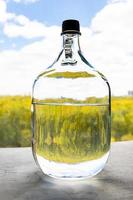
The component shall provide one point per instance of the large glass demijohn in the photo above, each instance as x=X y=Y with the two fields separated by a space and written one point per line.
x=71 y=113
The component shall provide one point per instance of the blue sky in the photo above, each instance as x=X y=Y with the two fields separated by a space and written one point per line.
x=51 y=12
x=30 y=39
x=55 y=11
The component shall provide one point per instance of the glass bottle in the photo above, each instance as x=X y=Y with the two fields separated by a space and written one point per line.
x=71 y=113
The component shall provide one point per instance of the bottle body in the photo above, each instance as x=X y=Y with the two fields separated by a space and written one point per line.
x=71 y=114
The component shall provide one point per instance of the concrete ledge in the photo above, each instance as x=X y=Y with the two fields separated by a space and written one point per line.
x=20 y=178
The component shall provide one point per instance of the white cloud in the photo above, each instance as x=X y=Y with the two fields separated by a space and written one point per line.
x=25 y=1
x=3 y=14
x=27 y=29
x=110 y=45
x=117 y=1
x=21 y=26
x=20 y=67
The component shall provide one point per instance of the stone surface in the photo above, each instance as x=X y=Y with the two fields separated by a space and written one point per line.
x=20 y=178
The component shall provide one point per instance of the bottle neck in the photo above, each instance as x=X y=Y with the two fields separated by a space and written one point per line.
x=71 y=47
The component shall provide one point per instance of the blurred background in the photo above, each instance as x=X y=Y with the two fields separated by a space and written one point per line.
x=30 y=41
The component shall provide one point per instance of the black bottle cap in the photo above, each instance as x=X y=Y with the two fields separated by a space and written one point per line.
x=70 y=26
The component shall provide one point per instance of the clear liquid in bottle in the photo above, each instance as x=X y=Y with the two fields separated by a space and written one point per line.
x=70 y=139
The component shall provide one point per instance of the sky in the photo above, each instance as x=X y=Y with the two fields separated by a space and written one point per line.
x=30 y=40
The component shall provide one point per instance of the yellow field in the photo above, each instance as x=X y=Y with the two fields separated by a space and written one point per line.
x=15 y=120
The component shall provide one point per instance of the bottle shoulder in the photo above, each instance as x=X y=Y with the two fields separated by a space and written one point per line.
x=69 y=83
x=80 y=69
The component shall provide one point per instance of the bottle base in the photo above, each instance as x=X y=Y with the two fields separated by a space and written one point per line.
x=76 y=171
